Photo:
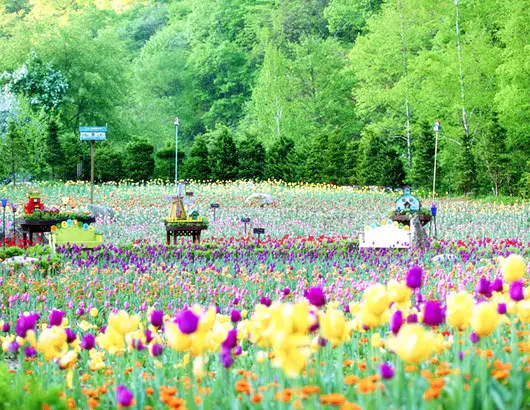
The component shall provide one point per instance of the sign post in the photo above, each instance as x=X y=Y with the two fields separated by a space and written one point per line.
x=92 y=134
x=259 y=232
x=214 y=207
x=246 y=221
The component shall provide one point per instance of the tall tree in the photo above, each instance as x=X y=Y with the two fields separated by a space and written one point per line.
x=423 y=160
x=252 y=157
x=197 y=166
x=54 y=156
x=223 y=155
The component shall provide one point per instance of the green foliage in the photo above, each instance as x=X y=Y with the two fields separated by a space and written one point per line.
x=139 y=159
x=379 y=163
x=317 y=73
x=53 y=156
x=26 y=392
x=423 y=158
x=252 y=157
x=108 y=163
x=198 y=164
x=223 y=154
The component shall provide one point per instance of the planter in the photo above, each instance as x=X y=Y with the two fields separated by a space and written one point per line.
x=405 y=219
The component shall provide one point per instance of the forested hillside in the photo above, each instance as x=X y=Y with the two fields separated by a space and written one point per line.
x=342 y=91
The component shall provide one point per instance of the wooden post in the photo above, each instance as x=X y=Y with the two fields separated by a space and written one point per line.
x=93 y=143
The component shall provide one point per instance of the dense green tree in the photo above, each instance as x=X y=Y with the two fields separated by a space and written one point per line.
x=108 y=163
x=139 y=159
x=14 y=150
x=165 y=162
x=223 y=154
x=281 y=163
x=379 y=163
x=197 y=166
x=315 y=166
x=423 y=159
x=54 y=156
x=252 y=158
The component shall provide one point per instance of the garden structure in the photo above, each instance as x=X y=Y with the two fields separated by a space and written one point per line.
x=38 y=219
x=179 y=223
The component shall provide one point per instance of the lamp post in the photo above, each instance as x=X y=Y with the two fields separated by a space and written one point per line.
x=14 y=209
x=3 y=201
x=436 y=127
x=176 y=123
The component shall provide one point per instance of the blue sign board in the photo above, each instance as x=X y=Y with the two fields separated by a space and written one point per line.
x=93 y=133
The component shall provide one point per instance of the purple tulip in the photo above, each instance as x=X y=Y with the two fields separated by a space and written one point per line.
x=237 y=350
x=516 y=291
x=501 y=308
x=386 y=370
x=13 y=347
x=235 y=316
x=6 y=327
x=226 y=358
x=70 y=335
x=496 y=285
x=124 y=396
x=412 y=318
x=484 y=287
x=138 y=344
x=80 y=312
x=414 y=277
x=157 y=349
x=231 y=339
x=56 y=317
x=88 y=342
x=30 y=351
x=322 y=342
x=432 y=313
x=265 y=301
x=461 y=355
x=157 y=318
x=148 y=336
x=25 y=323
x=187 y=321
x=474 y=337
x=396 y=321
x=286 y=291
x=315 y=296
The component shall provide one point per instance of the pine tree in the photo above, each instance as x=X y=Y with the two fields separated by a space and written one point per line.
x=223 y=155
x=139 y=161
x=379 y=163
x=15 y=149
x=197 y=166
x=315 y=166
x=54 y=156
x=280 y=160
x=252 y=157
x=423 y=158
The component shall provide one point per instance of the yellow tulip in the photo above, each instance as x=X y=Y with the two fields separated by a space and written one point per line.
x=413 y=344
x=459 y=308
x=484 y=319
x=513 y=267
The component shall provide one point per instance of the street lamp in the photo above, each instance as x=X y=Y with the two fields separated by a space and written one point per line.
x=14 y=209
x=4 y=201
x=176 y=123
x=436 y=127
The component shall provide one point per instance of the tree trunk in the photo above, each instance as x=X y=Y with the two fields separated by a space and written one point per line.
x=407 y=107
x=465 y=124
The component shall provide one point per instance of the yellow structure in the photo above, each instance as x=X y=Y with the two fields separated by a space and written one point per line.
x=178 y=213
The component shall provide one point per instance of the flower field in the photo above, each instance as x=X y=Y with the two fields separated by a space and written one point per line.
x=302 y=319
